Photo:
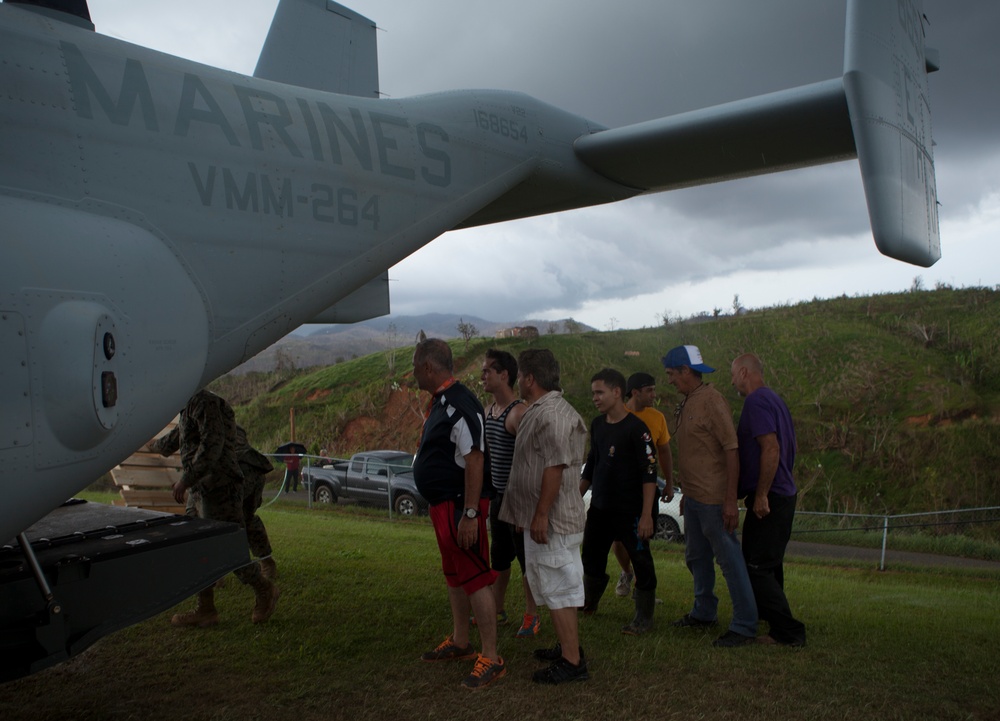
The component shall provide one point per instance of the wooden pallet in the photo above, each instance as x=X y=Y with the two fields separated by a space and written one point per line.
x=145 y=480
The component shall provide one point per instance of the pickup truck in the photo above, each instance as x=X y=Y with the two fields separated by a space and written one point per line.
x=376 y=477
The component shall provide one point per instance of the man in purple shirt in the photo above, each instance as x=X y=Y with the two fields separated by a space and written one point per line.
x=767 y=453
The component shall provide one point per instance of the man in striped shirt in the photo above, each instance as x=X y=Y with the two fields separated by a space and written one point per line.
x=543 y=499
x=502 y=419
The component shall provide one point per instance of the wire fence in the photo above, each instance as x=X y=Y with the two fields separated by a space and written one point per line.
x=941 y=522
x=807 y=523
x=307 y=462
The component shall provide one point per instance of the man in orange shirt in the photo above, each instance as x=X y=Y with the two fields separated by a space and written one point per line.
x=641 y=393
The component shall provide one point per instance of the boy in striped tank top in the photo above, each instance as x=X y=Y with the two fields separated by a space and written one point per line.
x=502 y=418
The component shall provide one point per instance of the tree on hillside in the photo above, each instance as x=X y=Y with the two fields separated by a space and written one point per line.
x=571 y=326
x=468 y=331
x=283 y=361
x=392 y=346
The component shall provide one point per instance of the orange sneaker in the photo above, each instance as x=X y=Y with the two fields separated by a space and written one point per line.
x=448 y=651
x=529 y=628
x=485 y=672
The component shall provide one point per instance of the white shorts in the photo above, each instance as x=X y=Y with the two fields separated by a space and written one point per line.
x=555 y=570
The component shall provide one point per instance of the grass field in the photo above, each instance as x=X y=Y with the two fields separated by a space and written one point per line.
x=363 y=597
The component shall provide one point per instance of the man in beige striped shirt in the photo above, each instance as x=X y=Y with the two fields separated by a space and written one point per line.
x=543 y=500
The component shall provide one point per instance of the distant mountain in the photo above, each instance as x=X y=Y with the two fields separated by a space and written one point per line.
x=323 y=345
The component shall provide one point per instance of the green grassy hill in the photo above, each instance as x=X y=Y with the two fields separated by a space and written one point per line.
x=896 y=398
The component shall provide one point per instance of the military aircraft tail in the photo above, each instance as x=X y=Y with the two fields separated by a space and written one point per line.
x=321 y=45
x=878 y=112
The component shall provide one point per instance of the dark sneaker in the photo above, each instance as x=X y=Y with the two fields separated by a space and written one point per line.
x=562 y=671
x=549 y=654
x=731 y=639
x=689 y=621
x=552 y=654
x=448 y=651
x=485 y=672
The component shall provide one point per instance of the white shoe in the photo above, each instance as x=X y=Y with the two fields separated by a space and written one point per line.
x=624 y=587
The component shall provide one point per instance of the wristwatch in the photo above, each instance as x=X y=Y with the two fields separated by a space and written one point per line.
x=471 y=513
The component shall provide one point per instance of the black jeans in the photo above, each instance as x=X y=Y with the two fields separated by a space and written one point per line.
x=764 y=543
x=604 y=528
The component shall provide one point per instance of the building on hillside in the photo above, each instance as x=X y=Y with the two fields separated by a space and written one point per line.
x=528 y=332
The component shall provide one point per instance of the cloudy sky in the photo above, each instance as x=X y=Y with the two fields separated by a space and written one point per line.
x=772 y=239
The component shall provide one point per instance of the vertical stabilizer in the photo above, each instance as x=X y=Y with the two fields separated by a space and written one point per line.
x=885 y=81
x=321 y=45
x=69 y=11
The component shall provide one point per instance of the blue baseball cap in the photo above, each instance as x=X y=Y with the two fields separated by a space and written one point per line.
x=686 y=355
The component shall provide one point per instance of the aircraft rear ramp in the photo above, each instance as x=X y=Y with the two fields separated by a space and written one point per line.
x=106 y=568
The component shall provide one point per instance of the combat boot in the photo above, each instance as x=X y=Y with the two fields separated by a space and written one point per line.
x=267 y=599
x=645 y=604
x=203 y=615
x=268 y=569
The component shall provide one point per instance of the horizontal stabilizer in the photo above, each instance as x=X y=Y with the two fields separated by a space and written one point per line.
x=321 y=45
x=781 y=131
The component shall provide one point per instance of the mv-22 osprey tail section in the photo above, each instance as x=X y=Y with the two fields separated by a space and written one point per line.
x=163 y=221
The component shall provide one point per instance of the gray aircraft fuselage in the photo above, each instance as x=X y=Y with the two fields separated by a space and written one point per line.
x=198 y=215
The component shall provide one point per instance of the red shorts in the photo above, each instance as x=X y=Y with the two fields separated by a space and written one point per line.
x=468 y=568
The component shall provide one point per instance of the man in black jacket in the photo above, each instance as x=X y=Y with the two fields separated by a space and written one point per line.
x=451 y=471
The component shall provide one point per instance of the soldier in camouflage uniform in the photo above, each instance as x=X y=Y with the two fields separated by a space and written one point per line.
x=255 y=466
x=206 y=438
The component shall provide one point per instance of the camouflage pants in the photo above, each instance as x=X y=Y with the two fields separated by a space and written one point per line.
x=253 y=496
x=225 y=503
